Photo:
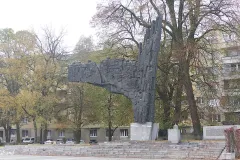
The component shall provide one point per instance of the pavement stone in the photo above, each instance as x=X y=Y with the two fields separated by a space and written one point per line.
x=140 y=150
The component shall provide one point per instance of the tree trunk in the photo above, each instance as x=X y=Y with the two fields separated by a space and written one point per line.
x=192 y=105
x=8 y=133
x=109 y=131
x=166 y=113
x=18 y=132
x=109 y=118
x=41 y=135
x=35 y=130
x=77 y=135
x=45 y=132
x=178 y=99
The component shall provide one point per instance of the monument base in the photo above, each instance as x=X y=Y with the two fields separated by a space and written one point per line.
x=174 y=135
x=144 y=132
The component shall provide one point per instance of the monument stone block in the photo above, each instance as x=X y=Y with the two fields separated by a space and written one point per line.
x=216 y=132
x=144 y=132
x=174 y=135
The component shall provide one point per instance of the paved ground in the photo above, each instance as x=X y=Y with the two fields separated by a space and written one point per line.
x=16 y=157
x=133 y=150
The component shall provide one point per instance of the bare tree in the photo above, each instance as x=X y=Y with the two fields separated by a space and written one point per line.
x=52 y=52
x=186 y=22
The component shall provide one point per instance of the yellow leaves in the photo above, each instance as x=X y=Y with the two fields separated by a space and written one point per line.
x=14 y=68
x=6 y=100
x=61 y=126
x=27 y=98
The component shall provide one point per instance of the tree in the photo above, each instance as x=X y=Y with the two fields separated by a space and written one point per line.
x=48 y=75
x=111 y=110
x=84 y=45
x=186 y=22
x=94 y=104
x=7 y=112
x=78 y=110
x=13 y=47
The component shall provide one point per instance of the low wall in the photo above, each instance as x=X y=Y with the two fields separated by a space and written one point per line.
x=216 y=132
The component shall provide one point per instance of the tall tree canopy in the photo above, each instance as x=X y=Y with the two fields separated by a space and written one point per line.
x=186 y=25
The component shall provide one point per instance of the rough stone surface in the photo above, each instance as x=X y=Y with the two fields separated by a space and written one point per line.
x=140 y=150
x=135 y=80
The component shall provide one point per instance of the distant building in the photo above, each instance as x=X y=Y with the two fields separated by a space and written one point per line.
x=222 y=105
x=90 y=132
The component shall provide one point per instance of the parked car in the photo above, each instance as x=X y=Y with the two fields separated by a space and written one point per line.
x=82 y=142
x=70 y=141
x=49 y=141
x=93 y=141
x=28 y=140
x=59 y=141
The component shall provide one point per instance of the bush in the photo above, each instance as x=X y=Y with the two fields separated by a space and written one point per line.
x=230 y=140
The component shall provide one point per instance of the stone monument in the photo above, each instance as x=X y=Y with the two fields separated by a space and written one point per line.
x=174 y=135
x=134 y=79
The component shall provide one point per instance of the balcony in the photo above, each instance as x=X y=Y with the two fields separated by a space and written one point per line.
x=231 y=59
x=231 y=75
x=231 y=71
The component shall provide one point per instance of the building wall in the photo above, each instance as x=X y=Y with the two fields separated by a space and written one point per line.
x=68 y=133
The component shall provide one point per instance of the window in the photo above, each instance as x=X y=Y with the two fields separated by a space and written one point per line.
x=49 y=133
x=232 y=84
x=124 y=132
x=13 y=132
x=93 y=132
x=201 y=115
x=216 y=118
x=234 y=101
x=200 y=100
x=25 y=120
x=226 y=84
x=61 y=134
x=229 y=37
x=24 y=133
x=219 y=118
x=233 y=53
x=107 y=131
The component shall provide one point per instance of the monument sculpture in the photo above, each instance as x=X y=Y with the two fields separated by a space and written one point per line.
x=134 y=79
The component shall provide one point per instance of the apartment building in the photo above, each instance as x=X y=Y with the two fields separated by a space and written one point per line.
x=230 y=81
x=90 y=132
x=223 y=106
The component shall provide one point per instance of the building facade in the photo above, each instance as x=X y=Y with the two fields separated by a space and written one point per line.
x=92 y=132
x=222 y=105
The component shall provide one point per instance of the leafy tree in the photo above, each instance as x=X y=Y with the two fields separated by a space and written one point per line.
x=48 y=75
x=77 y=111
x=112 y=110
x=13 y=47
x=85 y=45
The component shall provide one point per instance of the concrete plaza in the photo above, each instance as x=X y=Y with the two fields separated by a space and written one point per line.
x=26 y=157
x=209 y=150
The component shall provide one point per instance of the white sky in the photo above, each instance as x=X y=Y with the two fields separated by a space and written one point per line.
x=72 y=15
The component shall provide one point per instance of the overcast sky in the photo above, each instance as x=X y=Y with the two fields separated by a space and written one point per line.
x=72 y=15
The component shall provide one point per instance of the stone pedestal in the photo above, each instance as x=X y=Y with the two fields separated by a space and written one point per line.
x=174 y=135
x=226 y=156
x=144 y=132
